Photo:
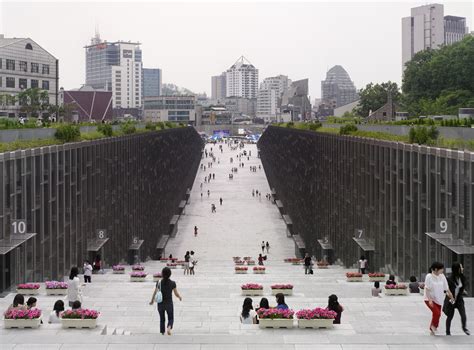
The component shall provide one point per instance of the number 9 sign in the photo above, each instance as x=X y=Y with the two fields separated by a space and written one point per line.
x=443 y=226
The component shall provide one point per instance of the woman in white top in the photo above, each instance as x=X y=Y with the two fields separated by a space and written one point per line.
x=248 y=314
x=362 y=264
x=436 y=286
x=54 y=317
x=73 y=286
x=87 y=272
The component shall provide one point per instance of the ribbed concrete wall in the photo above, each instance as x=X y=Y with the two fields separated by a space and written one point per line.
x=131 y=186
x=332 y=185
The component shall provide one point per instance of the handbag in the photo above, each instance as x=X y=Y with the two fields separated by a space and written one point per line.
x=159 y=295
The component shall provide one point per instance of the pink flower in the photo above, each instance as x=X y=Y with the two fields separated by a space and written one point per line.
x=28 y=286
x=282 y=286
x=376 y=274
x=259 y=268
x=138 y=267
x=275 y=313
x=396 y=286
x=22 y=314
x=318 y=313
x=80 y=314
x=353 y=274
x=55 y=285
x=138 y=274
x=118 y=268
x=157 y=274
x=241 y=268
x=251 y=286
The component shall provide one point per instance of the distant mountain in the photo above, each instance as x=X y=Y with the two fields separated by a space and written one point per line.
x=168 y=89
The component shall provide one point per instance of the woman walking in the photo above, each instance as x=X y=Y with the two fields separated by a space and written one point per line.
x=73 y=286
x=457 y=285
x=436 y=286
x=165 y=287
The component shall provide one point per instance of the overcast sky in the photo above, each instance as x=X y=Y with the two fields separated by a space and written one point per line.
x=191 y=41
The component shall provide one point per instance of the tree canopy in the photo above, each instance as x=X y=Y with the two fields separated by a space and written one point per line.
x=374 y=96
x=440 y=81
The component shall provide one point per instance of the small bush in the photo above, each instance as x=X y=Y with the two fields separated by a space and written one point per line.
x=290 y=125
x=423 y=135
x=347 y=129
x=105 y=129
x=150 y=126
x=315 y=126
x=67 y=133
x=128 y=128
x=169 y=125
x=161 y=125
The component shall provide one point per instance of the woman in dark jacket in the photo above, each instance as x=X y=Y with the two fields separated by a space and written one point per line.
x=333 y=304
x=457 y=285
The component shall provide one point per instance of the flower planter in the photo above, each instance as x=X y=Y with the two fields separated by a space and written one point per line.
x=28 y=291
x=250 y=262
x=323 y=267
x=252 y=292
x=22 y=323
x=79 y=323
x=316 y=323
x=283 y=291
x=119 y=272
x=137 y=279
x=396 y=291
x=56 y=291
x=296 y=262
x=275 y=323
x=259 y=272
x=156 y=279
x=354 y=279
x=376 y=279
x=240 y=272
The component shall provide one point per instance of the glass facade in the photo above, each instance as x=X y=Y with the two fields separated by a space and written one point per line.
x=151 y=82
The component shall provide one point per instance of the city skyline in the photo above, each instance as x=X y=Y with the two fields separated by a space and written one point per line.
x=325 y=34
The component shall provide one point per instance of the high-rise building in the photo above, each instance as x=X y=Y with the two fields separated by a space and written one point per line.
x=269 y=96
x=295 y=101
x=117 y=67
x=218 y=87
x=24 y=65
x=338 y=87
x=428 y=28
x=242 y=79
x=151 y=82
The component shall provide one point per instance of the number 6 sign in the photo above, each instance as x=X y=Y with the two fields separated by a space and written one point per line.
x=443 y=226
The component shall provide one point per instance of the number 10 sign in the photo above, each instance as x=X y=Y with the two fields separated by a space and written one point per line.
x=443 y=226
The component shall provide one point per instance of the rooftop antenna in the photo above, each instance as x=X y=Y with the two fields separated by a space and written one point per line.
x=96 y=39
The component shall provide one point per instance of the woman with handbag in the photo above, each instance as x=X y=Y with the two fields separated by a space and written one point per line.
x=457 y=285
x=163 y=296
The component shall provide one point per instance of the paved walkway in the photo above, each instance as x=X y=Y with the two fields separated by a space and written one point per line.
x=207 y=318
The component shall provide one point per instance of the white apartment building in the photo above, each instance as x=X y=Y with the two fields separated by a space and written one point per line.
x=24 y=65
x=117 y=67
x=218 y=87
x=179 y=109
x=428 y=28
x=269 y=96
x=242 y=79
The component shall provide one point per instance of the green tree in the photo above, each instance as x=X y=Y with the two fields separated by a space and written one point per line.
x=440 y=81
x=33 y=101
x=68 y=133
x=374 y=96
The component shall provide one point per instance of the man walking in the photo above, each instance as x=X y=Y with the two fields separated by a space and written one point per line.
x=307 y=264
x=220 y=200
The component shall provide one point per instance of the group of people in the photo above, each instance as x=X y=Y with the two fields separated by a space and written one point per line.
x=249 y=316
x=190 y=262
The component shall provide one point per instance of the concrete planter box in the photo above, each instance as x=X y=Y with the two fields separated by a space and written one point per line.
x=259 y=272
x=252 y=292
x=376 y=279
x=396 y=291
x=119 y=272
x=422 y=291
x=28 y=291
x=323 y=267
x=296 y=262
x=250 y=262
x=275 y=323
x=317 y=323
x=34 y=323
x=354 y=279
x=56 y=291
x=156 y=279
x=137 y=279
x=79 y=323
x=241 y=272
x=283 y=291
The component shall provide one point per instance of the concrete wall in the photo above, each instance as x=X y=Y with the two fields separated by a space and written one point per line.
x=234 y=129
x=130 y=185
x=331 y=185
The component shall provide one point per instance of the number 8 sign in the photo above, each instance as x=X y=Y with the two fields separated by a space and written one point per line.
x=101 y=234
x=443 y=226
